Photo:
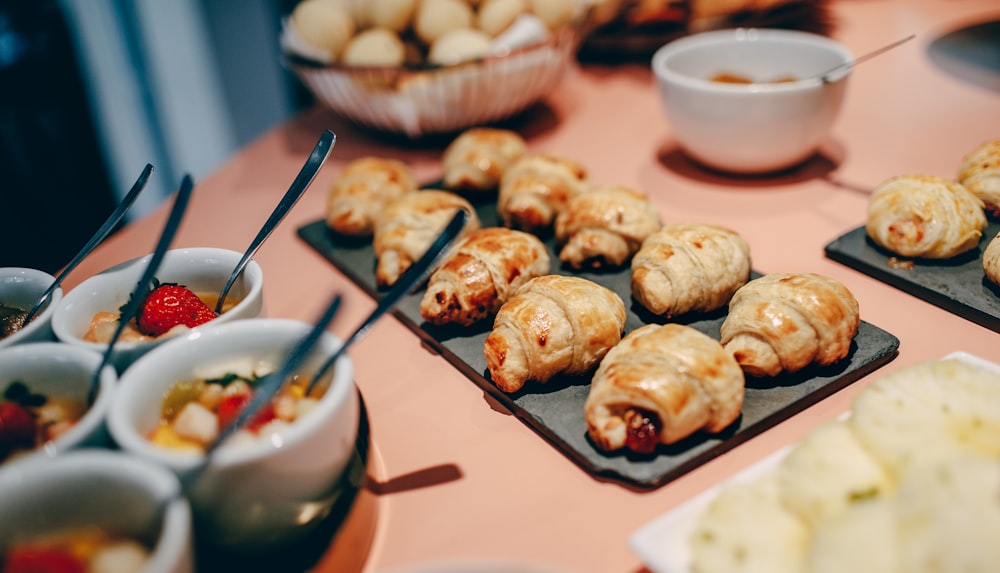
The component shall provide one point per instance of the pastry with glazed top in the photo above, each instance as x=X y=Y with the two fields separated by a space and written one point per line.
x=980 y=174
x=362 y=190
x=477 y=159
x=991 y=260
x=553 y=325
x=480 y=274
x=605 y=226
x=783 y=322
x=407 y=227
x=689 y=267
x=536 y=188
x=925 y=216
x=661 y=384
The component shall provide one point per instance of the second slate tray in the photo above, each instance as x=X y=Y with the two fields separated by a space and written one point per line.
x=555 y=409
x=957 y=285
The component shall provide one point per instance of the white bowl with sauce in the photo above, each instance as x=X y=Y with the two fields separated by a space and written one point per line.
x=20 y=289
x=102 y=493
x=63 y=375
x=258 y=493
x=775 y=119
x=204 y=270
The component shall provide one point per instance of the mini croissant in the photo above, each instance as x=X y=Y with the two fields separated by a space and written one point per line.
x=477 y=159
x=660 y=384
x=362 y=190
x=925 y=216
x=552 y=325
x=407 y=227
x=481 y=273
x=688 y=267
x=783 y=322
x=536 y=188
x=605 y=226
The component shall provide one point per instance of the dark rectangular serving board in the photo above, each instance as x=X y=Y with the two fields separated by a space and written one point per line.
x=957 y=285
x=555 y=409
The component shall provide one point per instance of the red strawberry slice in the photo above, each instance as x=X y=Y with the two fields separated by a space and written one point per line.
x=41 y=560
x=169 y=305
x=231 y=406
x=17 y=427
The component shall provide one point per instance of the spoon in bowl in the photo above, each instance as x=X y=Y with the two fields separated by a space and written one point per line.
x=99 y=236
x=135 y=298
x=825 y=76
x=302 y=181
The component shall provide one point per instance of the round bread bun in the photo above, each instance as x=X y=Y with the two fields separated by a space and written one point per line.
x=495 y=16
x=435 y=18
x=375 y=47
x=324 y=25
x=458 y=46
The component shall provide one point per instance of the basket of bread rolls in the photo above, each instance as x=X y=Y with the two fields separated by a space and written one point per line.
x=420 y=67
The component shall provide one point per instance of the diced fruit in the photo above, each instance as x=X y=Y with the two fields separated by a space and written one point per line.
x=41 y=560
x=17 y=427
x=196 y=422
x=179 y=395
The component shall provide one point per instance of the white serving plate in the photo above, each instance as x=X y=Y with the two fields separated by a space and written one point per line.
x=663 y=544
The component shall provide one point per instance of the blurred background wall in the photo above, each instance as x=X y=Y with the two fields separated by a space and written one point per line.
x=92 y=90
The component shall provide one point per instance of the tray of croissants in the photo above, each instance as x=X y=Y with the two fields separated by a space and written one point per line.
x=935 y=237
x=639 y=349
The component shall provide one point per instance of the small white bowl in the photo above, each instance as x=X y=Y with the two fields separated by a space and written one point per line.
x=97 y=488
x=54 y=369
x=201 y=269
x=757 y=127
x=21 y=288
x=252 y=496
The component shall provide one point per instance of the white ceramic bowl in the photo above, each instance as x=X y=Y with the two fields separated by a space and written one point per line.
x=54 y=369
x=110 y=490
x=252 y=496
x=21 y=288
x=201 y=269
x=758 y=127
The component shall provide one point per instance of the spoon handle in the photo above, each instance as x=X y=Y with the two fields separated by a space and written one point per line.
x=846 y=65
x=302 y=181
x=99 y=236
x=411 y=278
x=132 y=306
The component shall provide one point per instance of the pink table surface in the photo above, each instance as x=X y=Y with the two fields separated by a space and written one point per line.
x=455 y=475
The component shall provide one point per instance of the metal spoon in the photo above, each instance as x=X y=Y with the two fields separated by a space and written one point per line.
x=825 y=76
x=411 y=278
x=316 y=160
x=132 y=306
x=99 y=236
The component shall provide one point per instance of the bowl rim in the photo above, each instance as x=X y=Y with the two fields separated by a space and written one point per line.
x=43 y=318
x=748 y=35
x=253 y=273
x=125 y=432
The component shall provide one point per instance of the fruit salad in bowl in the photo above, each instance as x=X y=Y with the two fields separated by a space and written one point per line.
x=182 y=297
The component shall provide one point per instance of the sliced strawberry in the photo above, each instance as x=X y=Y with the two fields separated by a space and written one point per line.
x=41 y=560
x=17 y=427
x=169 y=305
x=231 y=406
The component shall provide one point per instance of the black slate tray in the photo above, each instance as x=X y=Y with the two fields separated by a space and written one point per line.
x=957 y=285
x=555 y=409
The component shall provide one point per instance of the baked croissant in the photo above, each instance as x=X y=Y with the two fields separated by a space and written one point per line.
x=660 y=384
x=991 y=260
x=980 y=174
x=535 y=188
x=477 y=159
x=362 y=190
x=604 y=226
x=552 y=325
x=783 y=322
x=925 y=216
x=407 y=227
x=481 y=273
x=687 y=267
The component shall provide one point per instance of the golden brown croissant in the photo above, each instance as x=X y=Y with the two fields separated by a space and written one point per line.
x=362 y=190
x=478 y=157
x=536 y=187
x=552 y=325
x=687 y=267
x=925 y=216
x=660 y=384
x=604 y=226
x=481 y=273
x=980 y=174
x=991 y=260
x=407 y=227
x=783 y=322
